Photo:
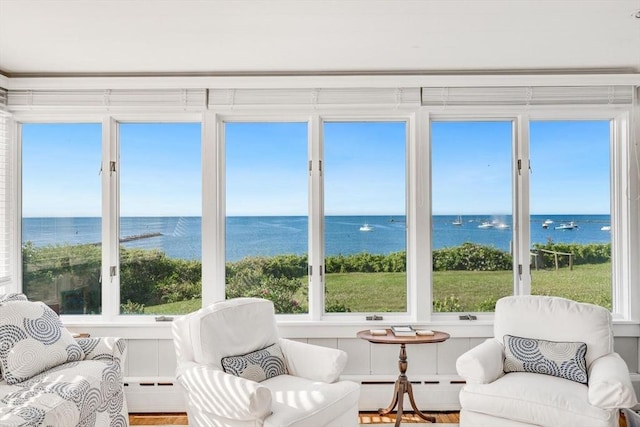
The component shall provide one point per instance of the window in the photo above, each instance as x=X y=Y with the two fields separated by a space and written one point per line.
x=365 y=238
x=267 y=200
x=361 y=201
x=571 y=210
x=61 y=215
x=160 y=220
x=472 y=221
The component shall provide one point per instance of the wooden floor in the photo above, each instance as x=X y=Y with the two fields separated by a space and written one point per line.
x=365 y=418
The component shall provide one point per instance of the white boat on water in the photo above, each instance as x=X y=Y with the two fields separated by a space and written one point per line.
x=457 y=221
x=605 y=228
x=569 y=226
x=547 y=223
x=486 y=224
x=366 y=227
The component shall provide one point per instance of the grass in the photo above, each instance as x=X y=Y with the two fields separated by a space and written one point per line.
x=466 y=291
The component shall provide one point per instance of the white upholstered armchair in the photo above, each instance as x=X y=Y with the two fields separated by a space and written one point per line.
x=236 y=371
x=562 y=368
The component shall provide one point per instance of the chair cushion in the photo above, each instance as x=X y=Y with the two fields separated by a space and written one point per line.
x=229 y=328
x=526 y=398
x=258 y=365
x=298 y=402
x=32 y=340
x=76 y=393
x=561 y=359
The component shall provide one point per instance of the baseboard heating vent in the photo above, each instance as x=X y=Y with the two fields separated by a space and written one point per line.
x=159 y=394
x=431 y=392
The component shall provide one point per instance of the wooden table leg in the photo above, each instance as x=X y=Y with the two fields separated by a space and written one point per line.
x=403 y=386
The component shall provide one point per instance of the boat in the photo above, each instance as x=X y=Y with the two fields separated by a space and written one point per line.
x=568 y=226
x=605 y=228
x=486 y=224
x=366 y=227
x=547 y=223
x=457 y=221
x=501 y=225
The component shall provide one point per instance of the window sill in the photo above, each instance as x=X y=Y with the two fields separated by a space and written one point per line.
x=142 y=328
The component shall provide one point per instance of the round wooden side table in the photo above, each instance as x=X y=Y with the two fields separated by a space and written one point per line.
x=403 y=385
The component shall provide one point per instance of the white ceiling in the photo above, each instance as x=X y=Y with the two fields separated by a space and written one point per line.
x=210 y=37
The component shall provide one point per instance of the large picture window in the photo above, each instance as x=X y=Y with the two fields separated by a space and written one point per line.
x=418 y=213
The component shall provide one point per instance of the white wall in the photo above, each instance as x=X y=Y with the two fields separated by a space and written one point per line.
x=150 y=367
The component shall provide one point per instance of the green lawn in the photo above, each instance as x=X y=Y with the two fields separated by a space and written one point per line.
x=465 y=291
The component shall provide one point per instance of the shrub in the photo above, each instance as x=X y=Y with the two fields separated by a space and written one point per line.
x=449 y=304
x=471 y=257
x=271 y=279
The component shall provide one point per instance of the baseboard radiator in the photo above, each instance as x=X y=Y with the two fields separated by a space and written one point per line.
x=434 y=393
x=153 y=394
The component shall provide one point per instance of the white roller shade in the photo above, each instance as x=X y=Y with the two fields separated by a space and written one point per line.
x=5 y=194
x=107 y=99
x=522 y=95
x=314 y=97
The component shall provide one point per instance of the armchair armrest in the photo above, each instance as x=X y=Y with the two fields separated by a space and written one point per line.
x=482 y=364
x=110 y=349
x=313 y=362
x=609 y=383
x=213 y=391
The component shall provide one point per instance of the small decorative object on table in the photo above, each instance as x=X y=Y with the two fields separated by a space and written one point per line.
x=403 y=331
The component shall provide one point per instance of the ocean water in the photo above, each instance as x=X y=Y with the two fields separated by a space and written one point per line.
x=180 y=237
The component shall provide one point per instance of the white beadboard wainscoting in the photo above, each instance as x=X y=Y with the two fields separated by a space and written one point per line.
x=151 y=363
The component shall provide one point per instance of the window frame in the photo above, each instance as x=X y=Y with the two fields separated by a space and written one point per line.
x=622 y=212
x=624 y=194
x=215 y=266
x=110 y=200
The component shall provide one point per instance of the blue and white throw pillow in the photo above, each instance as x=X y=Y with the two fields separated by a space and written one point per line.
x=560 y=359
x=257 y=366
x=32 y=340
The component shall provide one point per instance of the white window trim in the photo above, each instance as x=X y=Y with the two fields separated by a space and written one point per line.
x=215 y=234
x=628 y=124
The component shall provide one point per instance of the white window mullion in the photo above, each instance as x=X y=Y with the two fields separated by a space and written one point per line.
x=110 y=273
x=316 y=220
x=624 y=234
x=521 y=208
x=419 y=259
x=213 y=209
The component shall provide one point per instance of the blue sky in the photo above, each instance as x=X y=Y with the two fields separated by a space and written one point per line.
x=267 y=168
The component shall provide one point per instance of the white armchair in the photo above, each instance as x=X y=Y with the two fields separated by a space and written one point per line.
x=309 y=394
x=493 y=398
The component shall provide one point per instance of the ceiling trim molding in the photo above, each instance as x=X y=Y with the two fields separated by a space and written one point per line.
x=318 y=81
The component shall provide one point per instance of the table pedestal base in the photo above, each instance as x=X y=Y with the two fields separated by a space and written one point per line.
x=403 y=386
